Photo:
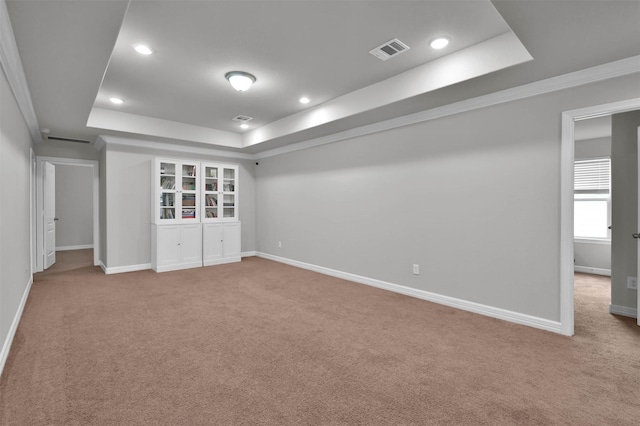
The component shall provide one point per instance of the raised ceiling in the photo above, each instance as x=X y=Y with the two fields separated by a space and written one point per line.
x=78 y=54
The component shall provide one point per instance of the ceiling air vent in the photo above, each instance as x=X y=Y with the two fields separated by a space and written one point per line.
x=242 y=118
x=56 y=138
x=389 y=49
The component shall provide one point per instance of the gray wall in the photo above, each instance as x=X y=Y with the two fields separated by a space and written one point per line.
x=74 y=206
x=15 y=259
x=128 y=202
x=473 y=198
x=624 y=191
x=62 y=149
x=592 y=255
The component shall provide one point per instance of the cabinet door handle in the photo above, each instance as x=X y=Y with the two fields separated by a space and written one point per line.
x=636 y=236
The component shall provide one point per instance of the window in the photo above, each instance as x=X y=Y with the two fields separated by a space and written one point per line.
x=592 y=198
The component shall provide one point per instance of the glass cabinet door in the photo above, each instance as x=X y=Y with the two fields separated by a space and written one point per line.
x=177 y=191
x=219 y=193
x=189 y=192
x=229 y=193
x=211 y=192
x=167 y=181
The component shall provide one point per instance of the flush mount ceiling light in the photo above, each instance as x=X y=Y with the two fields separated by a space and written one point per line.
x=143 y=49
x=304 y=100
x=240 y=80
x=439 y=43
x=117 y=101
x=244 y=126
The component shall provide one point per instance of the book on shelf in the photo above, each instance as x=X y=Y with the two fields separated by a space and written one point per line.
x=167 y=182
x=211 y=214
x=166 y=213
x=211 y=201
x=189 y=200
x=188 y=213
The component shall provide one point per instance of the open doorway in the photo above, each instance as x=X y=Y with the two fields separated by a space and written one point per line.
x=567 y=254
x=77 y=188
x=592 y=223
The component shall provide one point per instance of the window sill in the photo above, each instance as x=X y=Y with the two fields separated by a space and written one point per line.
x=602 y=241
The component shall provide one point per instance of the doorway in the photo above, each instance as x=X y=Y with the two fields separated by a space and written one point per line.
x=567 y=201
x=91 y=168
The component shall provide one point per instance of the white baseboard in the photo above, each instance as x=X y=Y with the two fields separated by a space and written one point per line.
x=178 y=267
x=128 y=268
x=623 y=310
x=590 y=270
x=6 y=345
x=490 y=311
x=248 y=254
x=80 y=247
x=221 y=261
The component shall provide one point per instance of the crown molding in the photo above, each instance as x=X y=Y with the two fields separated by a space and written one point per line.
x=12 y=66
x=595 y=74
x=107 y=140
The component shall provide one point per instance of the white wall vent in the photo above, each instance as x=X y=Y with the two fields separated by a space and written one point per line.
x=242 y=118
x=387 y=50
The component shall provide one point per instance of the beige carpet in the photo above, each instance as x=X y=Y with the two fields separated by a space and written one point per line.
x=261 y=343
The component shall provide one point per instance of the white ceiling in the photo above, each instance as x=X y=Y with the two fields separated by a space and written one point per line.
x=77 y=54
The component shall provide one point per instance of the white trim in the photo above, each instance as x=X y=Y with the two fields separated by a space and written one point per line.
x=590 y=75
x=12 y=66
x=6 y=345
x=96 y=203
x=78 y=247
x=623 y=310
x=109 y=140
x=590 y=270
x=248 y=254
x=220 y=261
x=567 y=159
x=465 y=305
x=122 y=269
x=603 y=242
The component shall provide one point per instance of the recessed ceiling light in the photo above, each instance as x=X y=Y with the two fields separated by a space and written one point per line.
x=117 y=101
x=143 y=49
x=244 y=126
x=439 y=43
x=240 y=80
x=304 y=100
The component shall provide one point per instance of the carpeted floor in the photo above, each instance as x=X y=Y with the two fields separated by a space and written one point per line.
x=262 y=343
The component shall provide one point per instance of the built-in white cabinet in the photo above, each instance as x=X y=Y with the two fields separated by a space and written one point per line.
x=176 y=246
x=219 y=193
x=177 y=195
x=195 y=214
x=220 y=243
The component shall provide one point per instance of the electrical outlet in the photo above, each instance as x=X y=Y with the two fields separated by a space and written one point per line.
x=416 y=269
x=632 y=283
x=279 y=244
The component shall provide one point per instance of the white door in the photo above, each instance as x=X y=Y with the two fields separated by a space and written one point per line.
x=212 y=244
x=49 y=193
x=191 y=244
x=168 y=245
x=231 y=237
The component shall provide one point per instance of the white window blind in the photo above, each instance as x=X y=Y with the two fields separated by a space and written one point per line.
x=592 y=176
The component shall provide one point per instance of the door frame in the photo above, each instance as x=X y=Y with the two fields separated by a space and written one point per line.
x=638 y=230
x=567 y=158
x=40 y=200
